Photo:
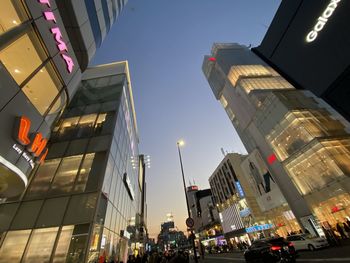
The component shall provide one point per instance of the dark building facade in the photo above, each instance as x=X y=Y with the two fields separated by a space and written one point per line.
x=308 y=44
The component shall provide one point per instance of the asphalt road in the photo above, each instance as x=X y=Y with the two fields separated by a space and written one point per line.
x=334 y=254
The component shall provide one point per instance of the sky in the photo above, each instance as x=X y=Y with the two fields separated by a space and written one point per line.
x=164 y=42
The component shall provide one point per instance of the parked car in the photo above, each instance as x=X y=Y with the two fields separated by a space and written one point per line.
x=305 y=241
x=272 y=250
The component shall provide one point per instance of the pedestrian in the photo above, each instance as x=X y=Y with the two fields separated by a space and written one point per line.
x=346 y=228
x=341 y=230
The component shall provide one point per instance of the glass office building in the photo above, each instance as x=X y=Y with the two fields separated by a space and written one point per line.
x=82 y=204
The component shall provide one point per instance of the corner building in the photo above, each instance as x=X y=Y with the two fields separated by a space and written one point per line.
x=83 y=203
x=44 y=47
x=303 y=142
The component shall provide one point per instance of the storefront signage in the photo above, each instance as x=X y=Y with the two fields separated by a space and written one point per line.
x=34 y=145
x=56 y=32
x=129 y=187
x=239 y=189
x=322 y=20
x=258 y=228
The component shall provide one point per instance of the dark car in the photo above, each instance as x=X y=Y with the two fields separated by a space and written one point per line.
x=271 y=250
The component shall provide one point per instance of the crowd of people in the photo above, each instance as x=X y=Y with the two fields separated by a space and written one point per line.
x=157 y=257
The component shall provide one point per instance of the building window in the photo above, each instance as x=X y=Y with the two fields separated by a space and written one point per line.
x=12 y=14
x=63 y=244
x=66 y=174
x=22 y=57
x=42 y=178
x=68 y=128
x=223 y=101
x=319 y=165
x=41 y=96
x=86 y=125
x=13 y=246
x=84 y=173
x=250 y=84
x=239 y=71
x=40 y=245
x=298 y=128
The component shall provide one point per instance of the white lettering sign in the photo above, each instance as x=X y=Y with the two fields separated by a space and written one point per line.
x=322 y=20
x=24 y=155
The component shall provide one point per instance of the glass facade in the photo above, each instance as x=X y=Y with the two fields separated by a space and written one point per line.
x=299 y=127
x=26 y=60
x=322 y=163
x=79 y=199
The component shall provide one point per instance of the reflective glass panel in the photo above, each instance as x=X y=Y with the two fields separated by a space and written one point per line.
x=13 y=246
x=84 y=173
x=63 y=244
x=66 y=173
x=40 y=245
x=41 y=182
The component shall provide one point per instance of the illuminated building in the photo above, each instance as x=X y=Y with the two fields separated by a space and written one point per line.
x=44 y=47
x=303 y=142
x=84 y=203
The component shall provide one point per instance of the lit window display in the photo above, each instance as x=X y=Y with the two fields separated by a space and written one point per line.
x=320 y=164
x=236 y=72
x=12 y=14
x=249 y=84
x=333 y=210
x=299 y=128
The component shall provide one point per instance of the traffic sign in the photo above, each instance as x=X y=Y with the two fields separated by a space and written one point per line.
x=189 y=222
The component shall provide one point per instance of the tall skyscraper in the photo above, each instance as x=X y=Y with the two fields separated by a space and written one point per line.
x=303 y=142
x=44 y=47
x=84 y=203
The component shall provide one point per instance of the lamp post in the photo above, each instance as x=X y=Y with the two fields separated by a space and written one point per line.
x=181 y=143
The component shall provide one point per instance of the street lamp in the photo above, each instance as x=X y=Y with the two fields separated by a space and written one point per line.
x=182 y=143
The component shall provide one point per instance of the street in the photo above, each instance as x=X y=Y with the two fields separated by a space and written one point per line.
x=334 y=254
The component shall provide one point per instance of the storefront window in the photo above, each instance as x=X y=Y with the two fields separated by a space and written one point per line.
x=66 y=173
x=11 y=14
x=84 y=173
x=21 y=58
x=43 y=88
x=13 y=246
x=63 y=244
x=299 y=128
x=318 y=166
x=40 y=245
x=42 y=179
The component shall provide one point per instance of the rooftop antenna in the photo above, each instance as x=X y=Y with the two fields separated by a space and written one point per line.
x=223 y=152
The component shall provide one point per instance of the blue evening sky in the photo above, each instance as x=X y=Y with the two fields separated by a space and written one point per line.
x=164 y=42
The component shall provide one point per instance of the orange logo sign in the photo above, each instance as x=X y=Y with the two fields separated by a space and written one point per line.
x=35 y=144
